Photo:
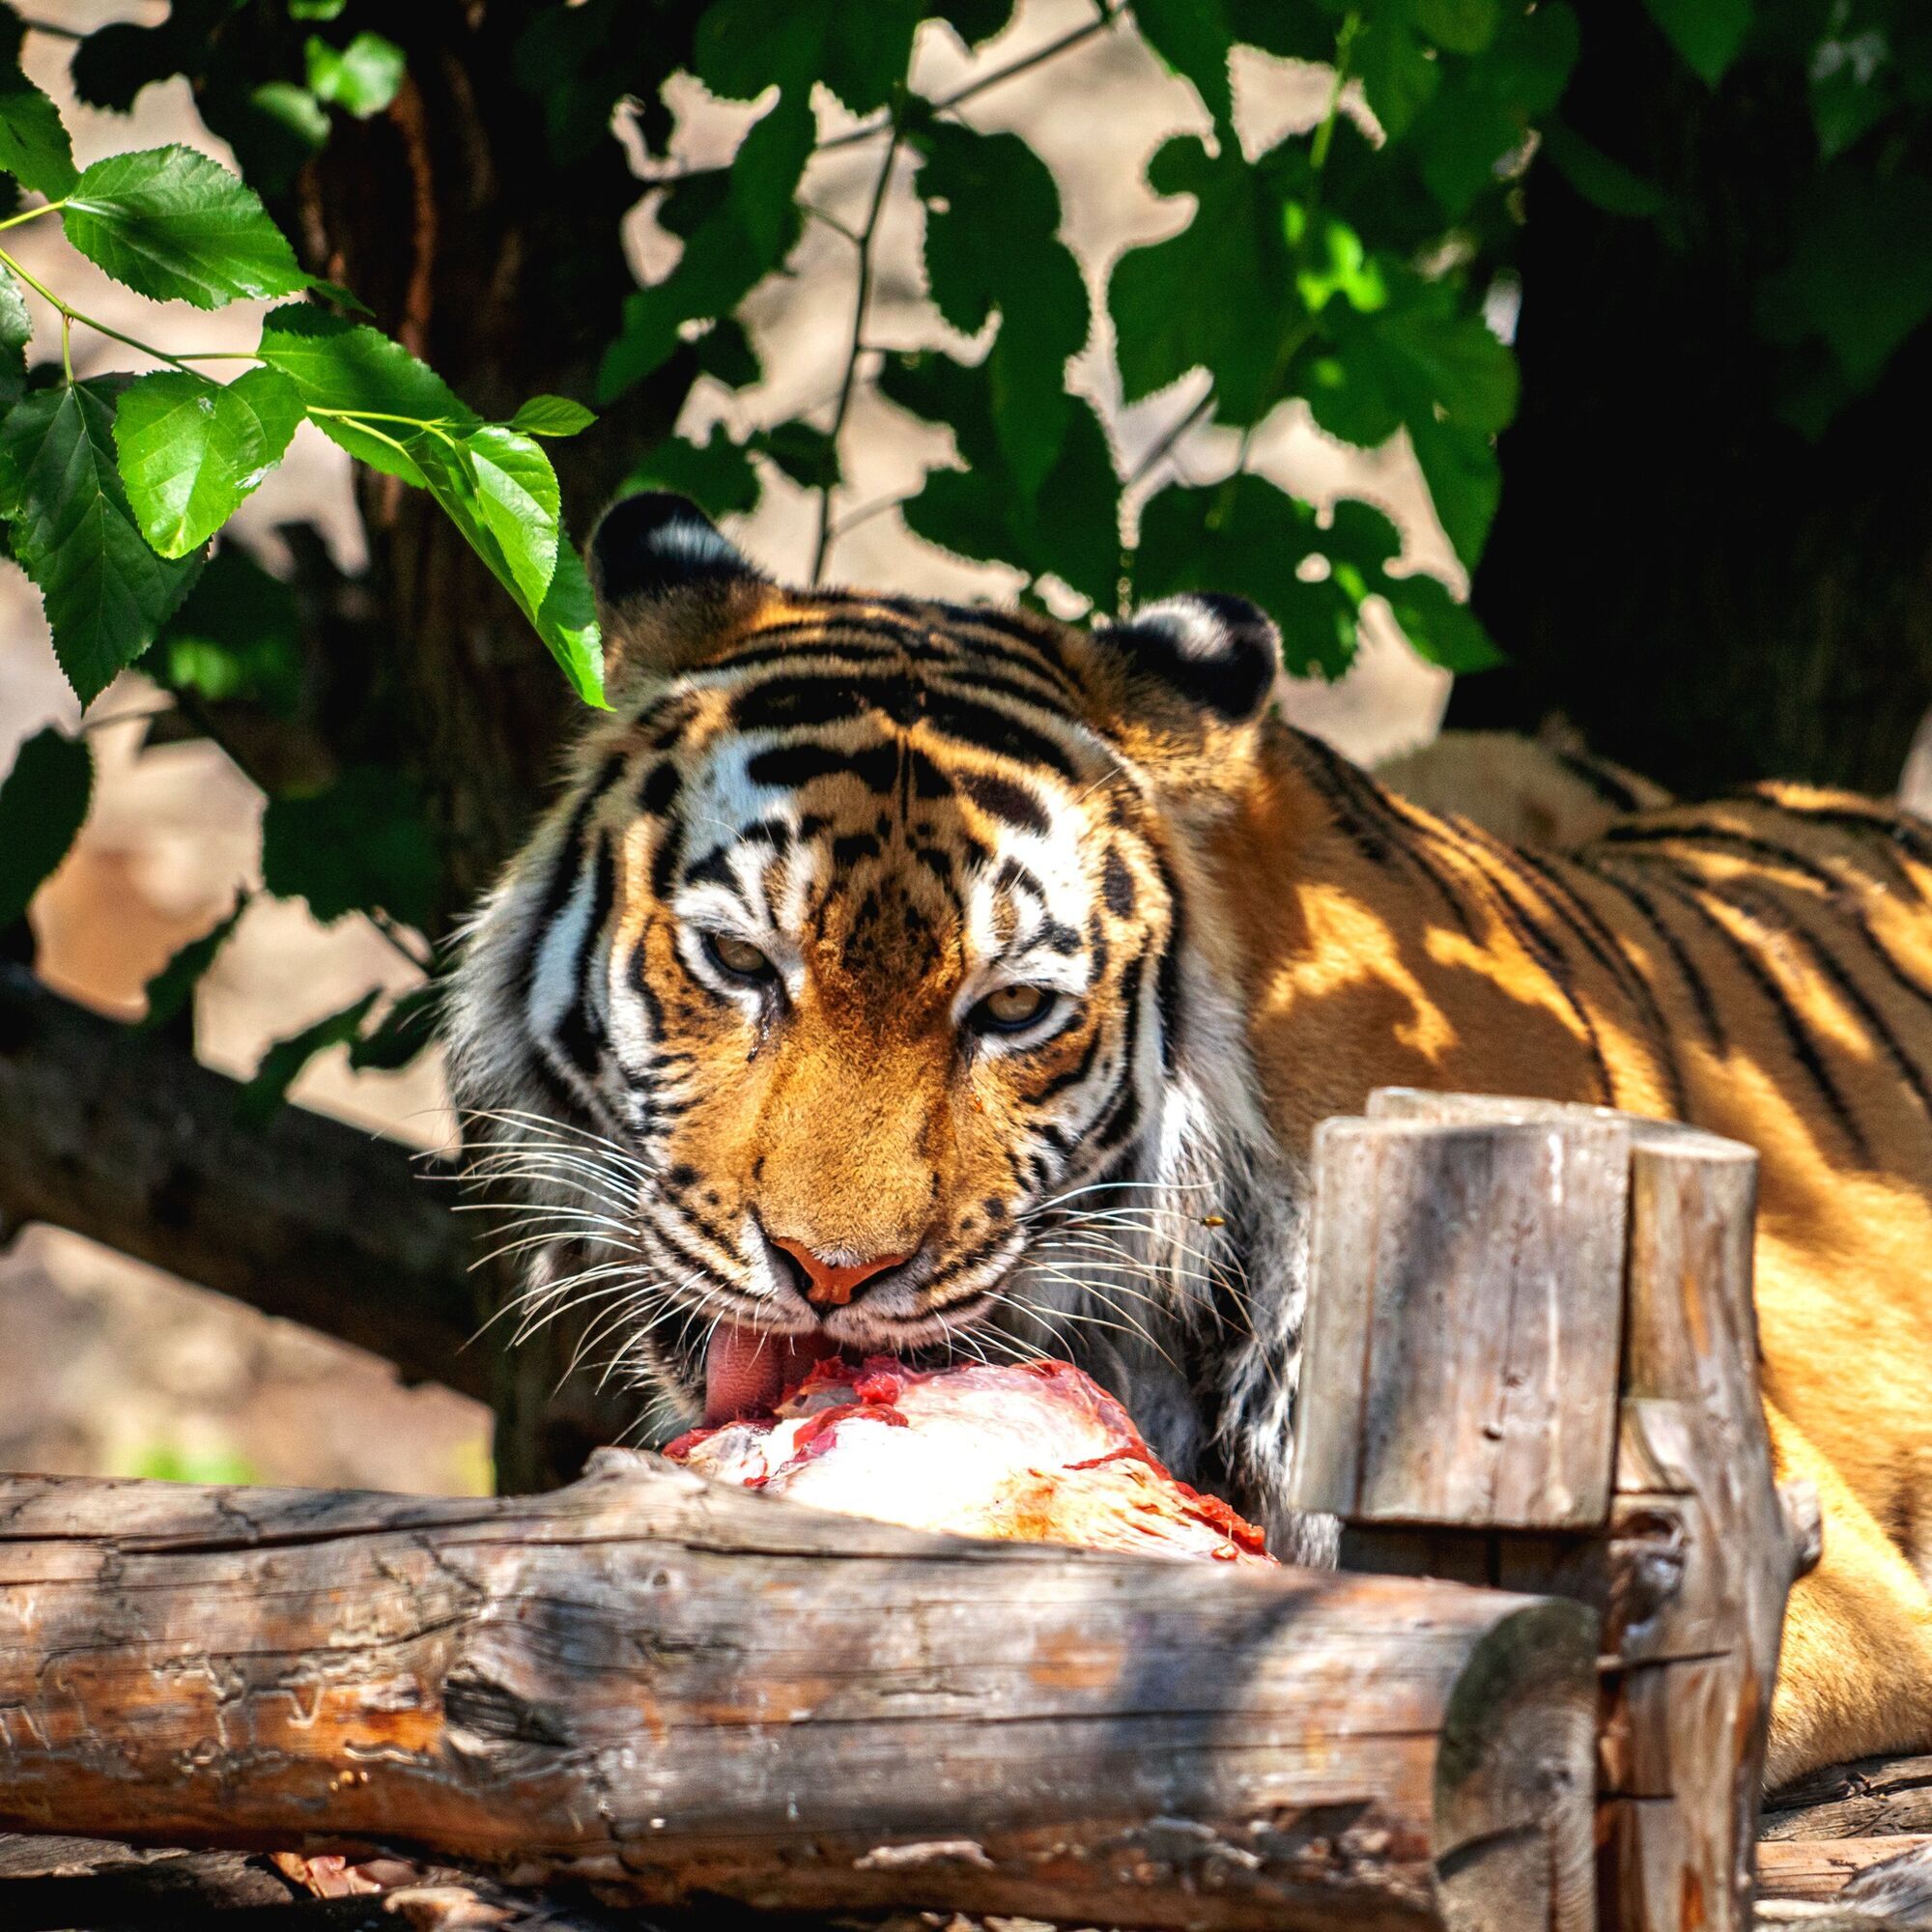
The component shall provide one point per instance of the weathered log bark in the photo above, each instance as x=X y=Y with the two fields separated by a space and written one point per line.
x=1820 y=1870
x=1875 y=1796
x=119 y=1135
x=1519 y=1251
x=675 y=1691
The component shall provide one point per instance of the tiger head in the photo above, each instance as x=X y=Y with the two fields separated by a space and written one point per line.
x=855 y=949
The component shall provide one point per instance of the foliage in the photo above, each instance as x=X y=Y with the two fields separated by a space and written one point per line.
x=1345 y=270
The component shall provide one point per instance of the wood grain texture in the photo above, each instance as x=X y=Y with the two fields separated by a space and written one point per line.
x=1693 y=1548
x=1467 y=1292
x=676 y=1691
x=1868 y=1799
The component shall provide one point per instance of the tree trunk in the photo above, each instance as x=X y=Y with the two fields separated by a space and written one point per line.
x=502 y=265
x=1708 y=595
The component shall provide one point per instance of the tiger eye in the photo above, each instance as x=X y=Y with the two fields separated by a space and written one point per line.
x=739 y=956
x=1015 y=1005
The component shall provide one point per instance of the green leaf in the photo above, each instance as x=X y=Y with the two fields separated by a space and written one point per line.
x=275 y=128
x=1070 y=531
x=1193 y=38
x=741 y=232
x=1859 y=273
x=1165 y=324
x=808 y=456
x=500 y=491
x=363 y=846
x=974 y=20
x=361 y=78
x=316 y=10
x=1397 y=73
x=1462 y=26
x=174 y=224
x=406 y=1031
x=717 y=476
x=43 y=805
x=1464 y=482
x=860 y=52
x=16 y=331
x=237 y=637
x=345 y=369
x=1246 y=537
x=172 y=989
x=34 y=146
x=551 y=415
x=1418 y=360
x=1481 y=115
x=1707 y=34
x=191 y=450
x=992 y=244
x=1601 y=180
x=1439 y=629
x=567 y=623
x=258 y=1103
x=520 y=504
x=106 y=592
x=1849 y=72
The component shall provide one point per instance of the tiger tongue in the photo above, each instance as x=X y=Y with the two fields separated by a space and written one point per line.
x=750 y=1367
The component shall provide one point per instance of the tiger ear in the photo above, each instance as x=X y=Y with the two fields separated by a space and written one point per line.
x=664 y=577
x=1187 y=668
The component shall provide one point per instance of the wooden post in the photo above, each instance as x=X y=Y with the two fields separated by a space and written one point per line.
x=1532 y=1361
x=678 y=1691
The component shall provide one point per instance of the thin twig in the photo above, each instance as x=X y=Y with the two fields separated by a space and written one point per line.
x=864 y=515
x=1072 y=38
x=857 y=348
x=1201 y=407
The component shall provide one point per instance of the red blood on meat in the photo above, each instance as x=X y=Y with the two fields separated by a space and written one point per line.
x=1033 y=1451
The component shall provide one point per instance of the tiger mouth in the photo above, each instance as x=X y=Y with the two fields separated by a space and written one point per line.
x=749 y=1369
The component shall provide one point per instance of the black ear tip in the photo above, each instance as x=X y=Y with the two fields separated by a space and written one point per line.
x=1220 y=651
x=654 y=542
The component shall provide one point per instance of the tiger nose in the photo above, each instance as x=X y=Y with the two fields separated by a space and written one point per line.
x=827 y=1285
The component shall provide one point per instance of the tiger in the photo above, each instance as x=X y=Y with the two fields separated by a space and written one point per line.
x=909 y=978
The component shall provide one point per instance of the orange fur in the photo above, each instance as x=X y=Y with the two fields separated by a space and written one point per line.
x=1761 y=966
x=1784 y=902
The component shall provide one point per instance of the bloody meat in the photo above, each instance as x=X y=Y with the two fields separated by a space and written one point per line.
x=1033 y=1452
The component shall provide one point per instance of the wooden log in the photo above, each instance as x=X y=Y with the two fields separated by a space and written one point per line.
x=1465 y=1316
x=679 y=1692
x=121 y=1136
x=1881 y=1881
x=1597 y=1269
x=1871 y=1797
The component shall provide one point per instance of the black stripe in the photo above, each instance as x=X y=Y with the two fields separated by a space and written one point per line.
x=1324 y=769
x=1423 y=827
x=1490 y=859
x=1601 y=943
x=576 y=1038
x=1687 y=969
x=792 y=766
x=1797 y=1038
x=1072 y=1076
x=659 y=791
x=993 y=729
x=1006 y=799
x=566 y=867
x=1167 y=969
x=1728 y=837
x=1606 y=783
x=1833 y=972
